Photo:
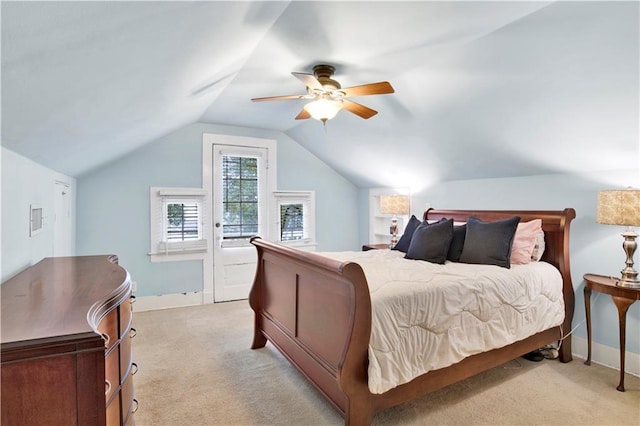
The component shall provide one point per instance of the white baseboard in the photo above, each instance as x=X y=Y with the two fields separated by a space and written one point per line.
x=606 y=355
x=167 y=301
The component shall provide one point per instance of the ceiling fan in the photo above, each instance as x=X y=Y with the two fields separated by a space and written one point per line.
x=328 y=97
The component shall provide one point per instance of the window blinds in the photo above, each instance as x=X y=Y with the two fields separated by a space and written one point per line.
x=179 y=218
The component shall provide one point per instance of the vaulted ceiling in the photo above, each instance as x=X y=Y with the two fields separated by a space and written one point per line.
x=483 y=89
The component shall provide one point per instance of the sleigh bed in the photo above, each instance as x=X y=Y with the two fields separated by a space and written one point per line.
x=317 y=311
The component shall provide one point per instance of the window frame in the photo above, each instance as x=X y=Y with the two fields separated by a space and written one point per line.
x=163 y=250
x=307 y=199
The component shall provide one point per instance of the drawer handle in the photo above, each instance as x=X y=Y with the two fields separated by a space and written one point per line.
x=134 y=409
x=133 y=332
x=106 y=339
x=132 y=299
x=107 y=385
x=134 y=365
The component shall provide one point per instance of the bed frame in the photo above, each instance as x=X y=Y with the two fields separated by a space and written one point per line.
x=317 y=312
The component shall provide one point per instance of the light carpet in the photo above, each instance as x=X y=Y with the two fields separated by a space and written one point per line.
x=196 y=368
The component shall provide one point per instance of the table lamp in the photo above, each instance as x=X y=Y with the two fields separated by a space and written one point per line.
x=622 y=207
x=395 y=205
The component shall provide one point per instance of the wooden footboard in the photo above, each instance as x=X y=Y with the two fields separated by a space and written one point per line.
x=317 y=312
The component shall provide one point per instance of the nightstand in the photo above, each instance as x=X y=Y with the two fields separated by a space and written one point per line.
x=623 y=297
x=368 y=247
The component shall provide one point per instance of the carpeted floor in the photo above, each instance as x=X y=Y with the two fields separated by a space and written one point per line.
x=196 y=368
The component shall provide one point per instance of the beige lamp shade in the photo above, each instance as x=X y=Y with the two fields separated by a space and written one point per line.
x=394 y=204
x=619 y=207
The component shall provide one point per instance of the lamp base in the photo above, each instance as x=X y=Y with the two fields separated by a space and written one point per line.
x=629 y=275
x=394 y=241
x=393 y=230
x=629 y=279
x=628 y=284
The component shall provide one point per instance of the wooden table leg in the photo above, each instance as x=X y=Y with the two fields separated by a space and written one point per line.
x=587 y=310
x=623 y=305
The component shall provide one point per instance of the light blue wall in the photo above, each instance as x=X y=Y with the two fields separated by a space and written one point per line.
x=594 y=248
x=113 y=202
x=25 y=182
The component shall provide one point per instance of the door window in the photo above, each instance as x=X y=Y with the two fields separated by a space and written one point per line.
x=240 y=197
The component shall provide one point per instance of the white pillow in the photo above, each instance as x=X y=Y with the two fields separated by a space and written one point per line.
x=538 y=248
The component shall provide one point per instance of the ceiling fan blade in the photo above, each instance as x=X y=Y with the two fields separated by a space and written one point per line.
x=303 y=115
x=309 y=80
x=380 y=88
x=357 y=109
x=277 y=98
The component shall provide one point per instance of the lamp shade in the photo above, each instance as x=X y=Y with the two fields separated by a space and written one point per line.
x=619 y=207
x=394 y=204
x=323 y=109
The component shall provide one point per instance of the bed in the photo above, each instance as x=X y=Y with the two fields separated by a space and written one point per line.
x=317 y=312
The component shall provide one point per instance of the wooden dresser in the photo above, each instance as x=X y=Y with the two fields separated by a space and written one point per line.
x=66 y=353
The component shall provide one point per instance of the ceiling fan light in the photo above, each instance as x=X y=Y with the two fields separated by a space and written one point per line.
x=323 y=109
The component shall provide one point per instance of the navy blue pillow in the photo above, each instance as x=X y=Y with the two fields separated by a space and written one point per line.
x=489 y=243
x=457 y=243
x=403 y=243
x=431 y=242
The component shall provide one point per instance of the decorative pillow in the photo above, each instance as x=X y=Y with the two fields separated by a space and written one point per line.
x=524 y=241
x=403 y=242
x=431 y=242
x=457 y=243
x=489 y=243
x=538 y=248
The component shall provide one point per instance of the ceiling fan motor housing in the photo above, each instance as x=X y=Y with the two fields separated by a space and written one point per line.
x=323 y=74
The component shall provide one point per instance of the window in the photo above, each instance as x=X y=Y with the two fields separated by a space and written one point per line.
x=291 y=222
x=239 y=197
x=296 y=217
x=182 y=220
x=177 y=223
x=240 y=194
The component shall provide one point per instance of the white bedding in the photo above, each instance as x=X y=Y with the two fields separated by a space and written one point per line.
x=427 y=316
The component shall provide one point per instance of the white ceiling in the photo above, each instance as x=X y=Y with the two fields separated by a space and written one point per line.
x=483 y=89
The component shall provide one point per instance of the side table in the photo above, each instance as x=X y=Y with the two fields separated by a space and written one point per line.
x=368 y=247
x=623 y=297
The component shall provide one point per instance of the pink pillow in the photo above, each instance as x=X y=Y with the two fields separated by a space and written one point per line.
x=525 y=241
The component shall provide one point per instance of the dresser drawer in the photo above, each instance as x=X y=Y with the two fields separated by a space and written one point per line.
x=113 y=412
x=127 y=397
x=108 y=327
x=126 y=353
x=111 y=374
x=126 y=310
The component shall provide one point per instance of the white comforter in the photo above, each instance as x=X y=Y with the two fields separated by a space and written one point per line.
x=427 y=316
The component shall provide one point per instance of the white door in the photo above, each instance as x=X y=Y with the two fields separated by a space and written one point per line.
x=62 y=220
x=240 y=211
